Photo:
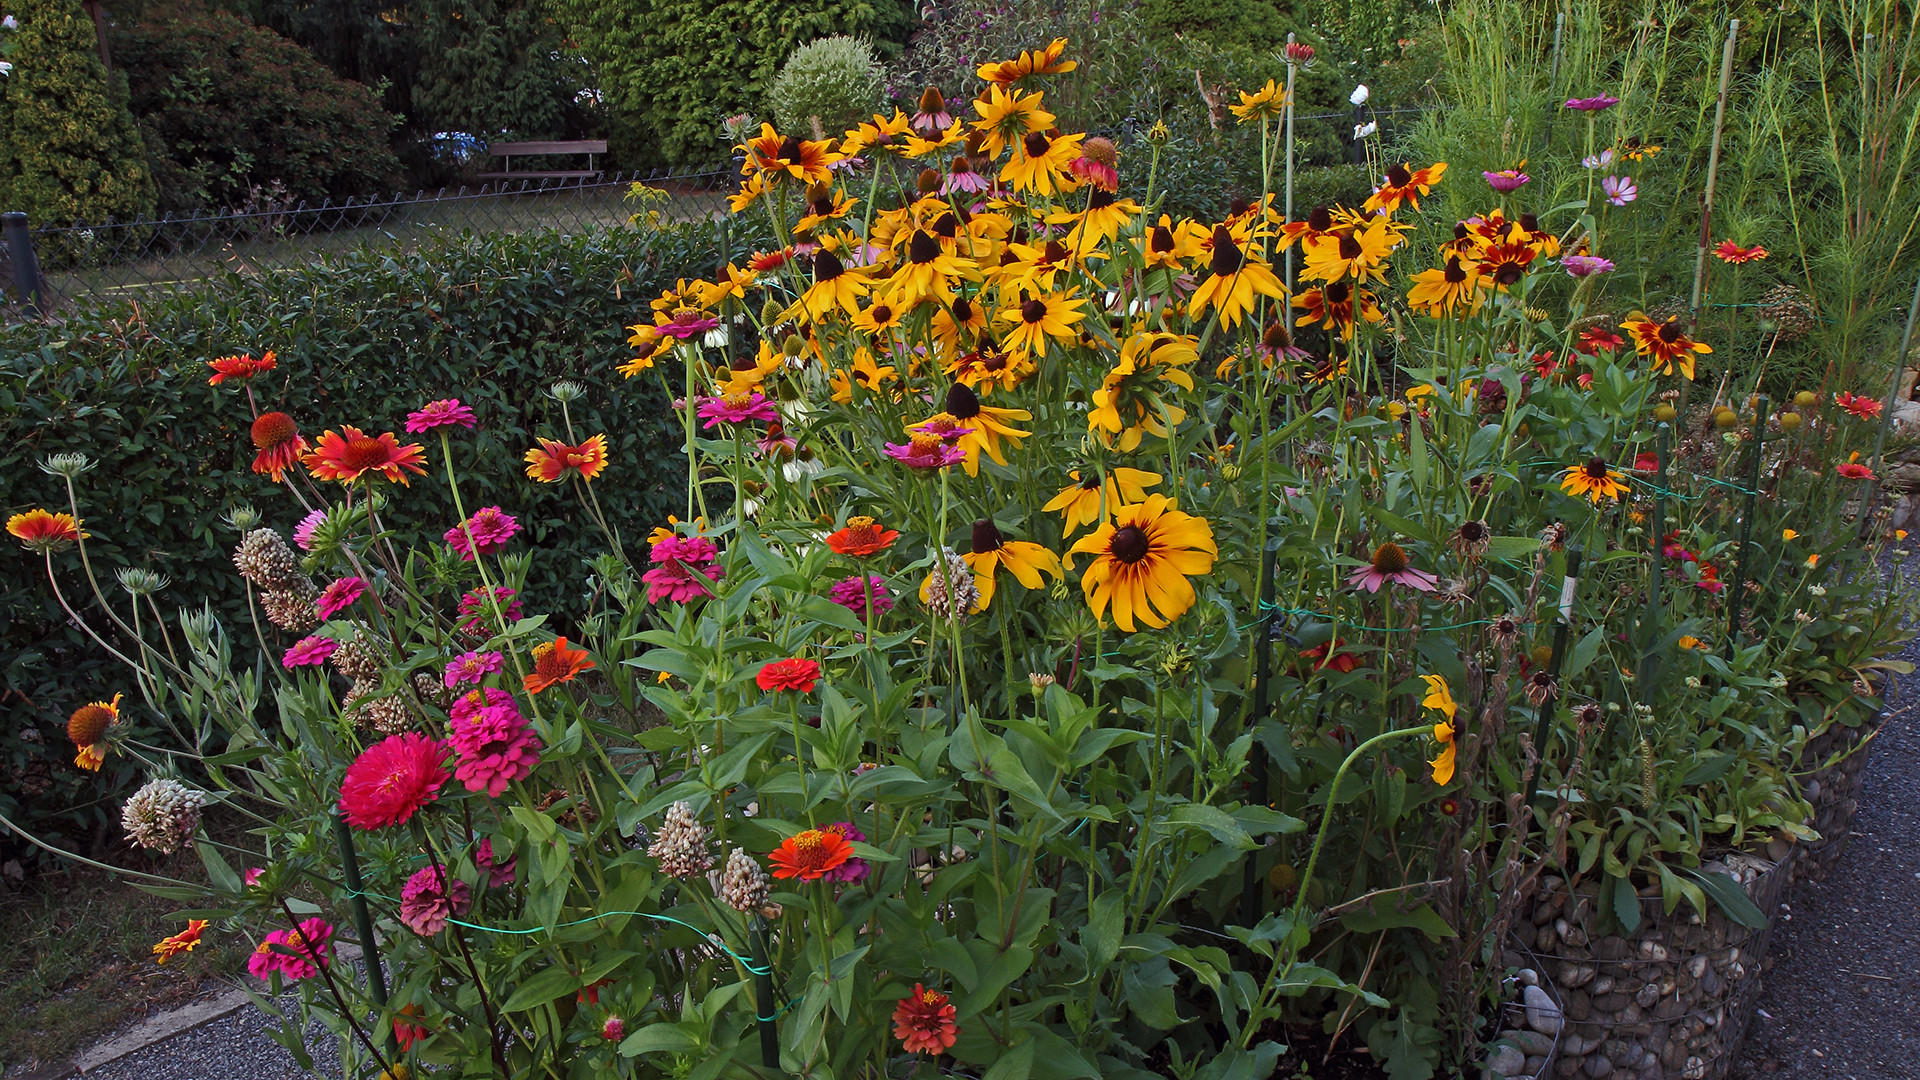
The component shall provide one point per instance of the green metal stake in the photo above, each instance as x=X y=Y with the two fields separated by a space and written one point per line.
x=1760 y=407
x=362 y=918
x=1568 y=588
x=1650 y=630
x=763 y=995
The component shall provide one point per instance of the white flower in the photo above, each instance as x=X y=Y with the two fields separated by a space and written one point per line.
x=1598 y=161
x=1366 y=129
x=5 y=68
x=1817 y=590
x=9 y=23
x=1359 y=95
x=795 y=469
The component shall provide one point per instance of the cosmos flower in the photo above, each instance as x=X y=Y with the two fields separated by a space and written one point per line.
x=1620 y=190
x=1593 y=104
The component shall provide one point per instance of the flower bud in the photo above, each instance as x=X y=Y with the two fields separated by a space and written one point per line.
x=1665 y=413
x=567 y=390
x=1159 y=132
x=1806 y=399
x=1299 y=52
x=1724 y=418
x=1789 y=421
x=770 y=313
x=614 y=1029
x=243 y=519
x=794 y=345
x=69 y=465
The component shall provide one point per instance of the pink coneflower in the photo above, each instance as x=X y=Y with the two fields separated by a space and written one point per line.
x=962 y=177
x=476 y=611
x=443 y=413
x=855 y=869
x=776 y=443
x=1586 y=265
x=309 y=652
x=1506 y=180
x=682 y=567
x=1391 y=566
x=932 y=116
x=340 y=596
x=855 y=593
x=303 y=532
x=686 y=323
x=428 y=900
x=308 y=950
x=471 y=667
x=495 y=745
x=735 y=409
x=1593 y=104
x=1620 y=190
x=489 y=529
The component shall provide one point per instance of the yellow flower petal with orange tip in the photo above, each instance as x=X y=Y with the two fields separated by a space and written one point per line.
x=1788 y=534
x=1142 y=560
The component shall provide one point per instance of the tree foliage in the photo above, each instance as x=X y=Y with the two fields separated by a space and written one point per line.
x=495 y=67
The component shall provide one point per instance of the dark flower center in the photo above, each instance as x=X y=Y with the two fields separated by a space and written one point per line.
x=1160 y=239
x=789 y=150
x=946 y=226
x=1237 y=207
x=1129 y=544
x=1398 y=176
x=1227 y=258
x=1670 y=331
x=1276 y=336
x=882 y=314
x=1455 y=273
x=962 y=309
x=1339 y=293
x=928 y=181
x=1033 y=310
x=1473 y=532
x=923 y=248
x=1036 y=144
x=961 y=165
x=1529 y=223
x=827 y=265
x=1350 y=248
x=985 y=537
x=1100 y=199
x=962 y=404
x=1506 y=627
x=1597 y=469
x=1056 y=252
x=1508 y=273
x=1320 y=220
x=1460 y=231
x=1389 y=558
x=931 y=102
x=273 y=429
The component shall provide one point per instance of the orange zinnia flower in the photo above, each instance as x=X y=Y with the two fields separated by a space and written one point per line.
x=43 y=531
x=862 y=537
x=279 y=442
x=184 y=941
x=553 y=663
x=923 y=1021
x=552 y=459
x=810 y=854
x=243 y=366
x=348 y=455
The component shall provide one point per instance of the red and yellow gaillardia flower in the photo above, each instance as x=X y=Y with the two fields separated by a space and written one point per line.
x=349 y=454
x=809 y=854
x=1088 y=500
x=553 y=459
x=44 y=531
x=554 y=662
x=1142 y=560
x=182 y=942
x=243 y=366
x=1667 y=343
x=87 y=727
x=279 y=443
x=1025 y=560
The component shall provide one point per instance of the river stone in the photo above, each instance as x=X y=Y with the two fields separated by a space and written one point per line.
x=1579 y=1005
x=1598 y=1065
x=1542 y=1014
x=1534 y=1065
x=1507 y=1060
x=1531 y=1043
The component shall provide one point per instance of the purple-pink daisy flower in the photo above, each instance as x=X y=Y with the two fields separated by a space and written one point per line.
x=490 y=528
x=471 y=667
x=735 y=409
x=1506 y=180
x=303 y=532
x=442 y=413
x=932 y=446
x=1390 y=566
x=1620 y=190
x=309 y=652
x=1584 y=265
x=687 y=322
x=340 y=596
x=682 y=566
x=1593 y=104
x=855 y=593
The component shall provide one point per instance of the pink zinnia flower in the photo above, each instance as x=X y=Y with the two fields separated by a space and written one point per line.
x=309 y=652
x=687 y=322
x=855 y=593
x=1584 y=265
x=498 y=873
x=682 y=566
x=429 y=900
x=1391 y=566
x=392 y=779
x=340 y=596
x=443 y=413
x=1593 y=104
x=495 y=745
x=303 y=532
x=1506 y=180
x=1620 y=190
x=471 y=667
x=490 y=527
x=476 y=611
x=855 y=869
x=932 y=446
x=252 y=876
x=735 y=409
x=310 y=946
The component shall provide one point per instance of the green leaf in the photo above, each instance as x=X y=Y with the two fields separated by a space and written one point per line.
x=1624 y=901
x=1731 y=897
x=547 y=985
x=1217 y=822
x=1384 y=914
x=1710 y=768
x=658 y=1039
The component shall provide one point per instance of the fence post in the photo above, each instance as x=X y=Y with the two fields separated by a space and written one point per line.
x=26 y=267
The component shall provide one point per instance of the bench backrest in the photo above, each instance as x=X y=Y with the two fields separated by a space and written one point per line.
x=578 y=146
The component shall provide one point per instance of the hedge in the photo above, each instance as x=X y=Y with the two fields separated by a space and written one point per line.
x=362 y=338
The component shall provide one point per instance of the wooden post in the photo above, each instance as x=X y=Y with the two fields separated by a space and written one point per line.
x=1713 y=173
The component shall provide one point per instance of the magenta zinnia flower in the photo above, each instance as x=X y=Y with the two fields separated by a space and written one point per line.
x=309 y=652
x=1391 y=566
x=682 y=566
x=340 y=596
x=1620 y=190
x=303 y=532
x=498 y=873
x=735 y=409
x=1593 y=104
x=471 y=667
x=443 y=413
x=495 y=745
x=855 y=593
x=391 y=780
x=428 y=900
x=1506 y=180
x=476 y=611
x=687 y=322
x=1584 y=265
x=855 y=869
x=932 y=446
x=490 y=527
x=309 y=945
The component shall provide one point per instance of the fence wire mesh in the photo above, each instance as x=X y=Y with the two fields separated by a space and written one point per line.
x=119 y=261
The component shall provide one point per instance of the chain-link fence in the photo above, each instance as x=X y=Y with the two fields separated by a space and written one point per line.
x=123 y=260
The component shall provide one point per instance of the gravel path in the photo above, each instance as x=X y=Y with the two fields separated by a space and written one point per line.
x=235 y=1047
x=1842 y=999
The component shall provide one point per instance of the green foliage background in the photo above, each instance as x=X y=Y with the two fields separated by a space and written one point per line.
x=362 y=339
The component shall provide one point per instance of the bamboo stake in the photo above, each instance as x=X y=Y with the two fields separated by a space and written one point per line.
x=1291 y=67
x=1713 y=172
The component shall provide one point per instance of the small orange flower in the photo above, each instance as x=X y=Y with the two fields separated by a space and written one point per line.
x=923 y=1021
x=810 y=854
x=862 y=537
x=87 y=727
x=43 y=531
x=243 y=366
x=279 y=442
x=184 y=941
x=553 y=663
x=553 y=459
x=1730 y=252
x=349 y=454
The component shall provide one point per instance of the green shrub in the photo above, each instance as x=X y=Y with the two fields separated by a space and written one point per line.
x=69 y=150
x=361 y=339
x=831 y=84
x=228 y=106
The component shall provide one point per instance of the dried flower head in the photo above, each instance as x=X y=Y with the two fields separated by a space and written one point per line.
x=265 y=560
x=743 y=885
x=162 y=815
x=292 y=608
x=949 y=589
x=681 y=844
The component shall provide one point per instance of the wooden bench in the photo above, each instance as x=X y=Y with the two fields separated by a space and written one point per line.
x=510 y=150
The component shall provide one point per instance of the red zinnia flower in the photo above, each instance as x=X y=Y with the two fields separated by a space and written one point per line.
x=43 y=531
x=552 y=459
x=810 y=854
x=392 y=780
x=279 y=442
x=184 y=941
x=243 y=366
x=1860 y=405
x=1339 y=661
x=405 y=1031
x=553 y=663
x=923 y=1021
x=352 y=453
x=790 y=674
x=1595 y=341
x=861 y=537
x=1730 y=252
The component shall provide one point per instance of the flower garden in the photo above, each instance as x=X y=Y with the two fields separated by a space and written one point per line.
x=1088 y=640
